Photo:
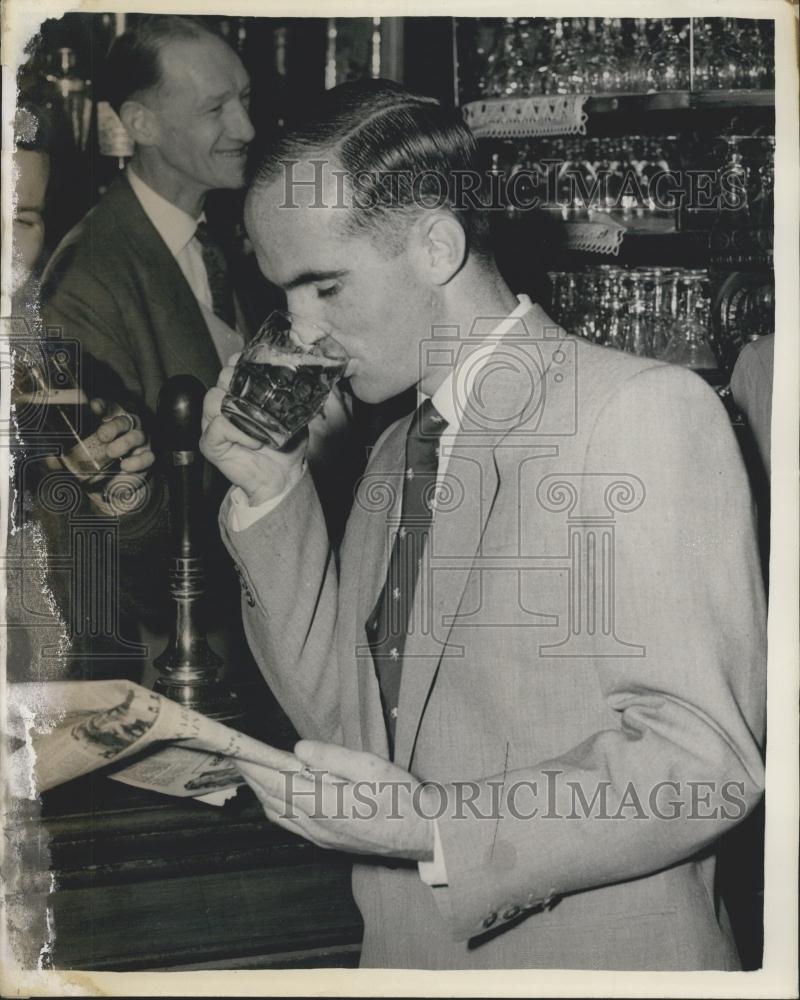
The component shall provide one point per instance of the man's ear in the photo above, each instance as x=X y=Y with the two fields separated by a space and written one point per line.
x=140 y=122
x=441 y=246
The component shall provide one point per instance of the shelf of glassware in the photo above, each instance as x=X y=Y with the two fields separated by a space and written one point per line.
x=677 y=100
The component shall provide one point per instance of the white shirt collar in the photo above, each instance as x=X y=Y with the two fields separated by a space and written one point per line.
x=449 y=403
x=174 y=226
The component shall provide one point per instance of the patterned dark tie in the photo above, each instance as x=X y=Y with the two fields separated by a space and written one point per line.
x=218 y=277
x=388 y=625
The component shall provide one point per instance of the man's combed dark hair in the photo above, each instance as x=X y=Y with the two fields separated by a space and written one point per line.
x=400 y=152
x=133 y=64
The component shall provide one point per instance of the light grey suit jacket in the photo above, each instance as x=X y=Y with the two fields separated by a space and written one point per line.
x=590 y=623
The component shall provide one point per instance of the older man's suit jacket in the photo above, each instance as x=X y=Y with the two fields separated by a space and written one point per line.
x=114 y=285
x=590 y=623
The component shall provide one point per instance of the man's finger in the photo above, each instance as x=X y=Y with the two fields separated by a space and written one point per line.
x=279 y=819
x=275 y=807
x=131 y=419
x=117 y=447
x=138 y=460
x=284 y=809
x=220 y=434
x=272 y=782
x=225 y=376
x=292 y=790
x=119 y=424
x=339 y=761
x=300 y=823
x=212 y=404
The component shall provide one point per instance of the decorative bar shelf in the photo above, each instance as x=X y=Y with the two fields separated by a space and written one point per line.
x=574 y=114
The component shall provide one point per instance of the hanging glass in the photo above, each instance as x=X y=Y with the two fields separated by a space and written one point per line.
x=668 y=65
x=688 y=344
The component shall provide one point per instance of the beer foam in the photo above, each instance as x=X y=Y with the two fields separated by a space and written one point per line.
x=265 y=354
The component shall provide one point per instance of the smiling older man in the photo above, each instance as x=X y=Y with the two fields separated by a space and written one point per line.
x=141 y=282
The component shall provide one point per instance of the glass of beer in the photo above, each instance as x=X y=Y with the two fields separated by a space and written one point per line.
x=282 y=378
x=52 y=408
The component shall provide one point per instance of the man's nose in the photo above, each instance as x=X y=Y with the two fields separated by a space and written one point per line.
x=306 y=330
x=240 y=127
x=307 y=324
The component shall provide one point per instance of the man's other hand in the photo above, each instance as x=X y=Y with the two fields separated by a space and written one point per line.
x=122 y=436
x=350 y=801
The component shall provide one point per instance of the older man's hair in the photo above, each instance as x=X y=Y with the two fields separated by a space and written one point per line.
x=401 y=153
x=133 y=64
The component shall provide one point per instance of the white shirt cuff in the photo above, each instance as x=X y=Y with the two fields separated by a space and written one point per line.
x=434 y=873
x=242 y=515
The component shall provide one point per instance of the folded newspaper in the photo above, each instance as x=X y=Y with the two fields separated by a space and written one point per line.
x=65 y=729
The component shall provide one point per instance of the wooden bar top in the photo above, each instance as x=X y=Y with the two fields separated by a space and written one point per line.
x=142 y=881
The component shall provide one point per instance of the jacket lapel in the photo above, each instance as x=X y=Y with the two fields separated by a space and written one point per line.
x=181 y=331
x=460 y=519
